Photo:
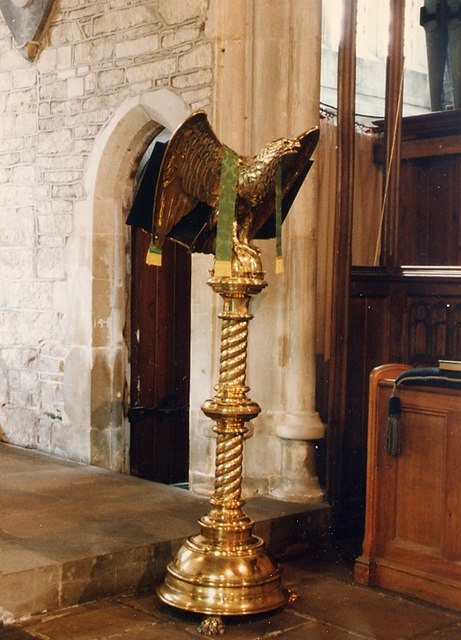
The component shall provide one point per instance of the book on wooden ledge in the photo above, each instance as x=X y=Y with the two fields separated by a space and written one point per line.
x=450 y=365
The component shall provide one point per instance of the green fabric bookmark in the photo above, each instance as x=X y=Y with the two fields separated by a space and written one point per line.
x=278 y=221
x=154 y=255
x=226 y=208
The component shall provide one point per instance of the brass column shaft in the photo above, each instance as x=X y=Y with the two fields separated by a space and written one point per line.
x=225 y=569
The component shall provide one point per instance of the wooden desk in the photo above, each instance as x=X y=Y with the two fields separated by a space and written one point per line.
x=412 y=541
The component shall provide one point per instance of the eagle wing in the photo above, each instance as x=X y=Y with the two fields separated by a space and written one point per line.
x=189 y=174
x=295 y=166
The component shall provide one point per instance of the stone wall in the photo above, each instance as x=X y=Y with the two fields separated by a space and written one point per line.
x=98 y=56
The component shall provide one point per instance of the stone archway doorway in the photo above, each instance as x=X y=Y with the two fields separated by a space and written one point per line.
x=101 y=243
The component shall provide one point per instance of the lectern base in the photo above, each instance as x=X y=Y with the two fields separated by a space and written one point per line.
x=217 y=581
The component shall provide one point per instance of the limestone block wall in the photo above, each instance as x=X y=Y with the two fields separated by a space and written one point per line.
x=98 y=56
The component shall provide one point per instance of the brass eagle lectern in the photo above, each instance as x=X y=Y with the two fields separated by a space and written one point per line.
x=215 y=201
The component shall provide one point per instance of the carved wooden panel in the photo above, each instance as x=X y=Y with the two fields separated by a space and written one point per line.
x=434 y=329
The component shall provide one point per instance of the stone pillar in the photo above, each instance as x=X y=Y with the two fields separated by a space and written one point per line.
x=258 y=100
x=300 y=423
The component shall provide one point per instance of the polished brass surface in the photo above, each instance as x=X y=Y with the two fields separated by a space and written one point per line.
x=225 y=569
x=187 y=192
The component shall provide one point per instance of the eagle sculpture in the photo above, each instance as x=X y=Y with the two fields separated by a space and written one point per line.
x=185 y=205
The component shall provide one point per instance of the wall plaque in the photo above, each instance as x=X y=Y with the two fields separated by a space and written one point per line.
x=27 y=21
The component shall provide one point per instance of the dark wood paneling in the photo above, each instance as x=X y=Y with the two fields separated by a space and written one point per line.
x=429 y=211
x=394 y=317
x=393 y=132
x=160 y=362
x=342 y=248
x=368 y=345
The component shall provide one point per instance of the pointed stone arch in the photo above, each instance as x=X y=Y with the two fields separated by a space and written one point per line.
x=97 y=367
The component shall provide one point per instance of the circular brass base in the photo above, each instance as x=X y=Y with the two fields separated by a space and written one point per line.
x=223 y=581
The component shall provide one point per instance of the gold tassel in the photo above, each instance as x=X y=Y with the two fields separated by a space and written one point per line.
x=154 y=256
x=222 y=268
x=393 y=441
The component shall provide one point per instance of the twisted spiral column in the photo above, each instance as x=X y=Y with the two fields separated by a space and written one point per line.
x=233 y=360
x=231 y=409
x=229 y=457
x=225 y=569
x=232 y=373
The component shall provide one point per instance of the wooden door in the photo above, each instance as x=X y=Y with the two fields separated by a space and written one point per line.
x=160 y=363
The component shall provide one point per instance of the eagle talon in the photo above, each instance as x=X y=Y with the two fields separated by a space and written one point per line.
x=212 y=626
x=292 y=596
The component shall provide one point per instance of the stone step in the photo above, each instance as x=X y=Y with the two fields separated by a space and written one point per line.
x=72 y=533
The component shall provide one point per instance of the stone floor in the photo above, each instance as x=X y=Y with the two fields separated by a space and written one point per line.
x=72 y=533
x=329 y=607
x=81 y=550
